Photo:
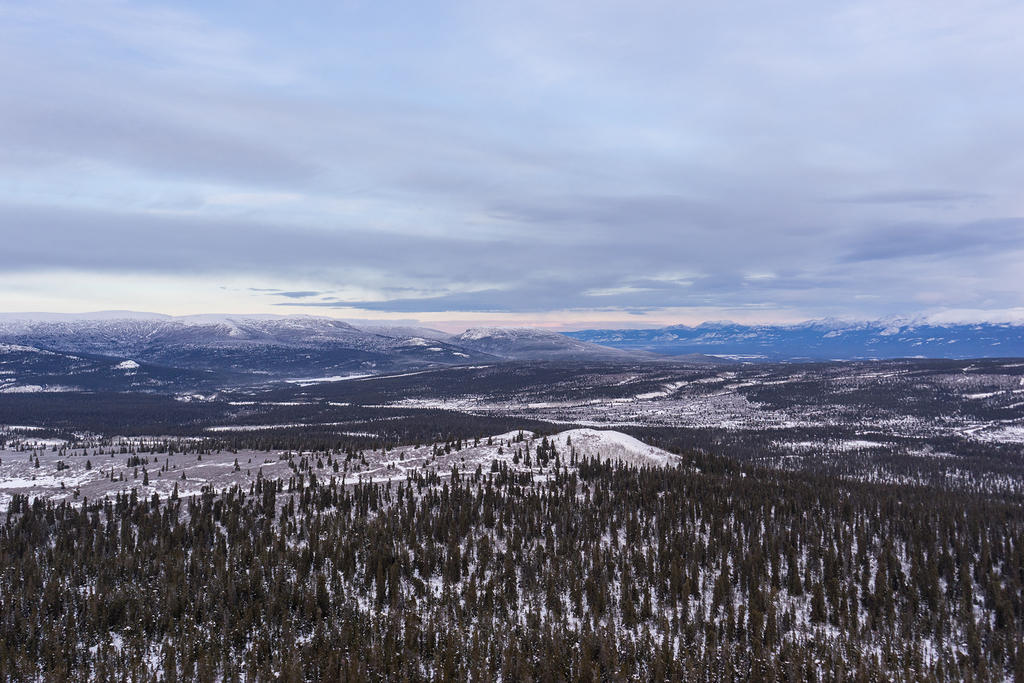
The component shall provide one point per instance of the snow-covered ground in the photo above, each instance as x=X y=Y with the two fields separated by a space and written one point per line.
x=72 y=473
x=610 y=444
x=68 y=474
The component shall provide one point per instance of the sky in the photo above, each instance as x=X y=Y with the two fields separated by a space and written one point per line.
x=563 y=164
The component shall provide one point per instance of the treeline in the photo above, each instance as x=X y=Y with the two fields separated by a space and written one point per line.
x=942 y=461
x=599 y=572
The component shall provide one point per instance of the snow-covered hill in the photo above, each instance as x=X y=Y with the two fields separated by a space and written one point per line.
x=608 y=444
x=50 y=481
x=573 y=445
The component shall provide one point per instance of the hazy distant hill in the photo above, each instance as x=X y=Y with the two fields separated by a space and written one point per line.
x=532 y=344
x=821 y=340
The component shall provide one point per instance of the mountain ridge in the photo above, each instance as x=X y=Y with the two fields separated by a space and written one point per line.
x=246 y=350
x=305 y=344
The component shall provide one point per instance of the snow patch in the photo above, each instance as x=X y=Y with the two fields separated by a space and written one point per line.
x=306 y=381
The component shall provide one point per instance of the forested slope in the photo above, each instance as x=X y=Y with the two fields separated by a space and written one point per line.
x=593 y=572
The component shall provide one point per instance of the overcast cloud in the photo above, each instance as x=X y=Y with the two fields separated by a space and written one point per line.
x=530 y=161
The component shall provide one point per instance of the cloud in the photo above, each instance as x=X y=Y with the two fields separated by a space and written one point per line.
x=938 y=240
x=521 y=158
x=916 y=197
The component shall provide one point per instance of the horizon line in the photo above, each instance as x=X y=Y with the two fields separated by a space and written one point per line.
x=940 y=319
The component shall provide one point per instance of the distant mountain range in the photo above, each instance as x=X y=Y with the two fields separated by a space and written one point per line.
x=162 y=353
x=820 y=340
x=139 y=352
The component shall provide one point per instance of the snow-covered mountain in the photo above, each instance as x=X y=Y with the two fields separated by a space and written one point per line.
x=532 y=344
x=822 y=340
x=137 y=335
x=234 y=348
x=296 y=346
x=276 y=346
